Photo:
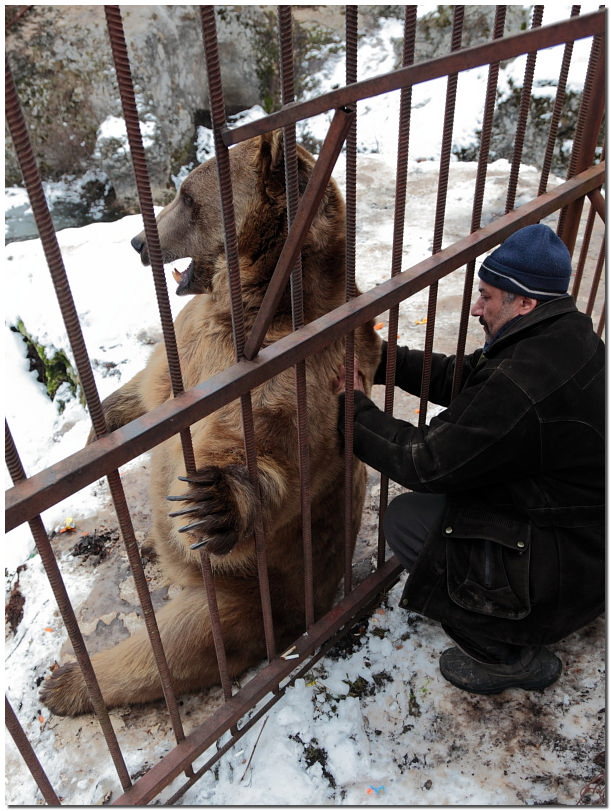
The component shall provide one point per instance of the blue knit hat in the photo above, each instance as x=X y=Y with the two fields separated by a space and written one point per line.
x=533 y=262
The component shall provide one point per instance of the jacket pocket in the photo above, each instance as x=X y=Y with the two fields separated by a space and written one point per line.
x=488 y=562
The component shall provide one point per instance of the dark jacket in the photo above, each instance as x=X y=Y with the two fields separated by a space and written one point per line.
x=520 y=454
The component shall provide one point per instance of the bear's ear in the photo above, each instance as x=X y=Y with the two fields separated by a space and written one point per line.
x=271 y=162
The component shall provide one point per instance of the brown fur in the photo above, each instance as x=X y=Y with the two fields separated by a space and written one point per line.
x=220 y=496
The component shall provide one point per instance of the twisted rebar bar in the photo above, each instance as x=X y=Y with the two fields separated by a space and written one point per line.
x=43 y=545
x=478 y=198
x=217 y=108
x=518 y=148
x=132 y=124
x=287 y=80
x=405 y=105
x=442 y=190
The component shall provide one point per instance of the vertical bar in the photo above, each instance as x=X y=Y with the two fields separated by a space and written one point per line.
x=601 y=323
x=351 y=160
x=596 y=280
x=217 y=106
x=28 y=754
x=50 y=246
x=15 y=468
x=130 y=113
x=285 y=27
x=558 y=102
x=444 y=171
x=480 y=186
x=71 y=321
x=583 y=254
x=587 y=130
x=308 y=206
x=531 y=61
x=405 y=104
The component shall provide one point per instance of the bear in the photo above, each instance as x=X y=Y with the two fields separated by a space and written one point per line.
x=218 y=502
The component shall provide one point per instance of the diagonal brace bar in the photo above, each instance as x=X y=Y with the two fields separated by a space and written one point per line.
x=321 y=173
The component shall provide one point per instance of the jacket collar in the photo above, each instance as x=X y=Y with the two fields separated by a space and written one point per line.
x=542 y=312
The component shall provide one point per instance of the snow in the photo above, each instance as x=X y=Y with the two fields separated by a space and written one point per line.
x=377 y=724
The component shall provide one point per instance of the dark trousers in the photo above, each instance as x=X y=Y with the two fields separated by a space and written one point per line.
x=409 y=520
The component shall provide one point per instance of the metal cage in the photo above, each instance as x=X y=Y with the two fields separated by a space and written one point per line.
x=576 y=205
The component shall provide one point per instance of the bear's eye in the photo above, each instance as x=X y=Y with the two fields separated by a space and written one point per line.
x=187 y=199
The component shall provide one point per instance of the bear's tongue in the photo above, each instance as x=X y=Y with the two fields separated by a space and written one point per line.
x=183 y=280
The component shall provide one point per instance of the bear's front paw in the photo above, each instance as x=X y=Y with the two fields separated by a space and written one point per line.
x=65 y=692
x=220 y=504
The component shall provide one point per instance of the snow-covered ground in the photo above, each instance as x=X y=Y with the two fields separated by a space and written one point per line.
x=374 y=725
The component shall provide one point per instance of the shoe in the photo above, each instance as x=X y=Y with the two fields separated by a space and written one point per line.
x=536 y=669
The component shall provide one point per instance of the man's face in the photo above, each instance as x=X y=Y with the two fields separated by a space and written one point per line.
x=492 y=311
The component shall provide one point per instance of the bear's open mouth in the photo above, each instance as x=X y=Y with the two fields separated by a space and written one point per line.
x=184 y=280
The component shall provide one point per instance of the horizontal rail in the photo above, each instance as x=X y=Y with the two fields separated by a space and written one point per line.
x=182 y=756
x=44 y=489
x=546 y=36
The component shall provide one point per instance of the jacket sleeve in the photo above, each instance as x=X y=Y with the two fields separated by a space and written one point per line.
x=477 y=442
x=408 y=372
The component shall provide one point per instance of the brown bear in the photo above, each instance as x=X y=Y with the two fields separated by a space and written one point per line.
x=218 y=502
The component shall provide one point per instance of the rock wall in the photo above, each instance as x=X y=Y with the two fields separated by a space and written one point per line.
x=62 y=64
x=61 y=61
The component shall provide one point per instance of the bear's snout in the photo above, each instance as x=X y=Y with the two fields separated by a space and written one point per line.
x=138 y=244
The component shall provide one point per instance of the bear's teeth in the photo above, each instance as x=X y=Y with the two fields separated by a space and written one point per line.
x=177 y=275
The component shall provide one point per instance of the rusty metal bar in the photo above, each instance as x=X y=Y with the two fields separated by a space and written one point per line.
x=215 y=622
x=596 y=280
x=529 y=71
x=71 y=321
x=287 y=77
x=76 y=471
x=475 y=56
x=15 y=468
x=50 y=246
x=601 y=323
x=405 y=104
x=583 y=254
x=478 y=197
x=162 y=773
x=27 y=753
x=557 y=111
x=217 y=106
x=589 y=123
x=303 y=219
x=598 y=203
x=118 y=45
x=440 y=210
x=351 y=28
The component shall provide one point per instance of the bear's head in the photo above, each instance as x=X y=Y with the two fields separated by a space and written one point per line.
x=191 y=225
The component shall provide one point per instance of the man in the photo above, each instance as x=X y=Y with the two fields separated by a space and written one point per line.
x=503 y=534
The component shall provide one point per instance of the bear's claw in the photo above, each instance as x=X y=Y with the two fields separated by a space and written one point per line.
x=211 y=504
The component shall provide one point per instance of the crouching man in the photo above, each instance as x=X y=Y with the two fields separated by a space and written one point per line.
x=503 y=532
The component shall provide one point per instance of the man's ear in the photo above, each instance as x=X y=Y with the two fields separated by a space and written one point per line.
x=271 y=162
x=526 y=305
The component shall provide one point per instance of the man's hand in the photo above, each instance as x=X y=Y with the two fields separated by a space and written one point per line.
x=338 y=384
